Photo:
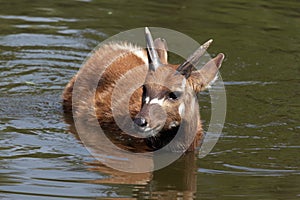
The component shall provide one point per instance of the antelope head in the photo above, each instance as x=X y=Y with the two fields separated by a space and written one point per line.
x=169 y=91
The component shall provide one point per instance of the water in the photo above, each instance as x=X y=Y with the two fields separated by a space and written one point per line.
x=42 y=45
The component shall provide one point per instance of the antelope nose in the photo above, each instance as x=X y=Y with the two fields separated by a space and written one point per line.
x=140 y=122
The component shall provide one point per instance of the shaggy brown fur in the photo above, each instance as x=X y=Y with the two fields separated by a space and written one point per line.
x=116 y=61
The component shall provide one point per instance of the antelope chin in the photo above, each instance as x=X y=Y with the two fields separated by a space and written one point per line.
x=147 y=131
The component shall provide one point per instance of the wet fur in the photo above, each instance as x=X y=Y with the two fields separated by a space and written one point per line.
x=121 y=58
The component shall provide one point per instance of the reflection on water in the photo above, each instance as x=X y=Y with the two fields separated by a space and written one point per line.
x=178 y=180
x=42 y=45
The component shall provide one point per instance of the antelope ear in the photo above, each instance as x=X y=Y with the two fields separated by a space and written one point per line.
x=204 y=77
x=162 y=50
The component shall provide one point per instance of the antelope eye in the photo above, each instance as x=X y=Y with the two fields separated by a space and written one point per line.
x=144 y=89
x=144 y=93
x=174 y=95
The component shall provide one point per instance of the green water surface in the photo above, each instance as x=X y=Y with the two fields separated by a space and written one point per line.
x=42 y=45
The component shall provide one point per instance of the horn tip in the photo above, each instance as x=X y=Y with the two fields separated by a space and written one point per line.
x=147 y=31
x=207 y=44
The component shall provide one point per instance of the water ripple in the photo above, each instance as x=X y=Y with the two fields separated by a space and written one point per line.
x=248 y=171
x=38 y=19
x=41 y=40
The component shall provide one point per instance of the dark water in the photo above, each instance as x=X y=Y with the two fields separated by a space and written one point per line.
x=42 y=45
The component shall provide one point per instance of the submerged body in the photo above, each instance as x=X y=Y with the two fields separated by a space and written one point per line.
x=165 y=103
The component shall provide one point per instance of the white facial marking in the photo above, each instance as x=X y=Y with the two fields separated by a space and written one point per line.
x=173 y=124
x=157 y=101
x=183 y=83
x=147 y=99
x=181 y=109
